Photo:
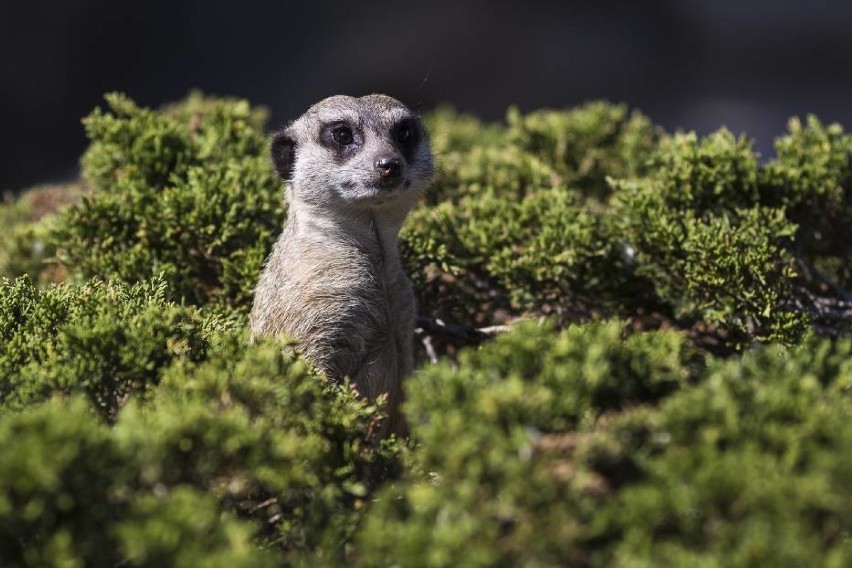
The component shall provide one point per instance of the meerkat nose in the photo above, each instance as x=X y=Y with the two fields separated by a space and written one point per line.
x=388 y=168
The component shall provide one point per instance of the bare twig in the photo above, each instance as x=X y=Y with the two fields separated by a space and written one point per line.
x=264 y=504
x=832 y=303
x=829 y=316
x=813 y=273
x=435 y=327
x=430 y=349
x=435 y=335
x=826 y=308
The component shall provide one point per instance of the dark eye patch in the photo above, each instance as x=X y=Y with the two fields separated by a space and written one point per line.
x=403 y=133
x=341 y=138
x=343 y=135
x=336 y=134
x=406 y=134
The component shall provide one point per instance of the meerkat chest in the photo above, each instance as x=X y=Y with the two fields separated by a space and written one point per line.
x=371 y=295
x=389 y=291
x=395 y=292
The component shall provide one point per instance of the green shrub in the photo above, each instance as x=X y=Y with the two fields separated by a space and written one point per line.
x=690 y=238
x=587 y=144
x=747 y=468
x=27 y=221
x=577 y=148
x=69 y=497
x=271 y=439
x=516 y=225
x=590 y=449
x=15 y=242
x=208 y=425
x=702 y=237
x=812 y=177
x=187 y=193
x=107 y=340
x=546 y=253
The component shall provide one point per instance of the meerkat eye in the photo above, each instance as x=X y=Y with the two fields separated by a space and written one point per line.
x=342 y=135
x=403 y=133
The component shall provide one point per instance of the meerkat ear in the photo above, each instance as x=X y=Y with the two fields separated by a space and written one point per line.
x=283 y=151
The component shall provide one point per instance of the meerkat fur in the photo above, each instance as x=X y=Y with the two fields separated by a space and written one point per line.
x=334 y=280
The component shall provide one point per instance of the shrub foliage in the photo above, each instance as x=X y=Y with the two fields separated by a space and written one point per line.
x=186 y=193
x=680 y=395
x=158 y=428
x=586 y=448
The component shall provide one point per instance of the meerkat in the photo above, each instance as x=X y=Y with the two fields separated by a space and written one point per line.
x=334 y=280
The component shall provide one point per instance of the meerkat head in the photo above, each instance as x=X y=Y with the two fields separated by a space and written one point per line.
x=364 y=152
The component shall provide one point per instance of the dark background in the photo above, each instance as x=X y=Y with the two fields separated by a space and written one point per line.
x=691 y=64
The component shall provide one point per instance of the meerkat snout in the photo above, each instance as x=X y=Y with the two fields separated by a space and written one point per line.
x=388 y=168
x=334 y=280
